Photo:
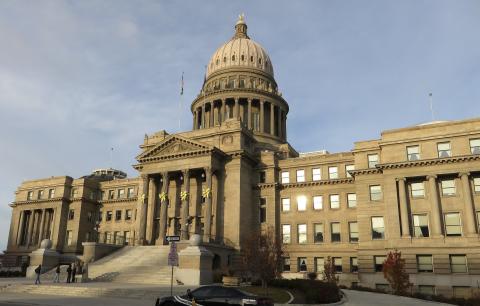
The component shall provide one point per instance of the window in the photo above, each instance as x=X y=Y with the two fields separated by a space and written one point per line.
x=300 y=176
x=443 y=149
x=424 y=263
x=263 y=210
x=89 y=216
x=318 y=232
x=286 y=264
x=426 y=290
x=353 y=264
x=71 y=214
x=128 y=214
x=420 y=226
x=316 y=174
x=130 y=192
x=118 y=215
x=475 y=146
x=335 y=230
x=332 y=172
x=68 y=238
x=337 y=263
x=40 y=194
x=285 y=177
x=319 y=265
x=453 y=226
x=461 y=291
x=375 y=193
x=476 y=184
x=458 y=263
x=317 y=202
x=111 y=194
x=378 y=228
x=109 y=216
x=353 y=231
x=30 y=195
x=334 y=201
x=417 y=190
x=100 y=216
x=301 y=203
x=286 y=204
x=349 y=168
x=352 y=200
x=302 y=233
x=262 y=177
x=121 y=193
x=372 y=160
x=413 y=153
x=286 y=237
x=74 y=192
x=302 y=264
x=378 y=262
x=448 y=187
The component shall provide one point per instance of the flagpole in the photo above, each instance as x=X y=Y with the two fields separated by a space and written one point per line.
x=180 y=106
x=431 y=105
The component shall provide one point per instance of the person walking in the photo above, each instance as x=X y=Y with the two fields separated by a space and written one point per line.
x=38 y=270
x=56 y=278
x=74 y=271
x=69 y=273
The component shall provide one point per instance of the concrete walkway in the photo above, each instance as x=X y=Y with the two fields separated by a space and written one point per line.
x=361 y=298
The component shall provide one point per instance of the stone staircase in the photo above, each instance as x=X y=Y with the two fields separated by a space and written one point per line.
x=133 y=264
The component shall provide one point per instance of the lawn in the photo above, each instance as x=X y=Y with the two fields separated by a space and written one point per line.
x=278 y=295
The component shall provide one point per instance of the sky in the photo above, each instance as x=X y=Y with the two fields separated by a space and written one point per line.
x=80 y=77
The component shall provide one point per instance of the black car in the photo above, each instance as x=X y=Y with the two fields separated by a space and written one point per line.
x=214 y=296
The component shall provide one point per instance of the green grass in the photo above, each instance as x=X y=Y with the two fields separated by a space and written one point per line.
x=278 y=295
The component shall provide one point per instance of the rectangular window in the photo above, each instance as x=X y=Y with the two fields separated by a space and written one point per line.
x=109 y=215
x=372 y=160
x=417 y=190
x=375 y=193
x=286 y=264
x=428 y=290
x=318 y=232
x=378 y=228
x=458 y=263
x=302 y=264
x=74 y=192
x=71 y=214
x=352 y=200
x=300 y=176
x=333 y=172
x=335 y=230
x=262 y=178
x=128 y=214
x=349 y=168
x=40 y=194
x=337 y=263
x=462 y=291
x=100 y=216
x=448 y=187
x=317 y=202
x=353 y=264
x=286 y=204
x=118 y=215
x=378 y=262
x=424 y=263
x=444 y=150
x=302 y=233
x=30 y=195
x=413 y=153
x=286 y=236
x=111 y=194
x=334 y=201
x=353 y=231
x=69 y=238
x=319 y=265
x=285 y=177
x=316 y=174
x=301 y=203
x=121 y=193
x=420 y=226
x=476 y=184
x=263 y=210
x=130 y=192
x=475 y=146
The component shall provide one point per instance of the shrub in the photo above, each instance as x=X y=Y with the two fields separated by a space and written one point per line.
x=315 y=291
x=312 y=275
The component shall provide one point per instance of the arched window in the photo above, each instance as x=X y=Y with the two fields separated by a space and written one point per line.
x=218 y=61
x=260 y=60
x=251 y=58
x=224 y=59
x=243 y=58
x=233 y=57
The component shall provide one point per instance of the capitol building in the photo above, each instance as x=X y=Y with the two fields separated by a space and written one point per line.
x=415 y=189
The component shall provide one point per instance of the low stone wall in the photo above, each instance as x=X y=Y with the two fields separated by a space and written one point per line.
x=93 y=251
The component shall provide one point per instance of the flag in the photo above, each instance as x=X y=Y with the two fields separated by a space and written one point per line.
x=181 y=91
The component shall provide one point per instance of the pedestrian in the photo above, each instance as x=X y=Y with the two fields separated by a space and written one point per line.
x=38 y=270
x=56 y=279
x=74 y=271
x=69 y=273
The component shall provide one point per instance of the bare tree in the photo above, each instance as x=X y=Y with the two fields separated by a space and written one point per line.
x=395 y=273
x=329 y=271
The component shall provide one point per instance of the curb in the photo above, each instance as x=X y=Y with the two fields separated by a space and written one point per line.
x=343 y=300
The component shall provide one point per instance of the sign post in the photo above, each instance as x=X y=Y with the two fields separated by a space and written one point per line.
x=172 y=257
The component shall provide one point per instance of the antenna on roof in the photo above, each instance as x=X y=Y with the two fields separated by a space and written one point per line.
x=111 y=158
x=430 y=96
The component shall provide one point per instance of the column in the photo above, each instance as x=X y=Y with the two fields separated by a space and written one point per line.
x=222 y=116
x=279 y=122
x=143 y=212
x=208 y=205
x=185 y=196
x=469 y=212
x=262 y=117
x=284 y=124
x=163 y=209
x=21 y=227
x=249 y=116
x=152 y=200
x=435 y=206
x=195 y=119
x=236 y=109
x=30 y=228
x=42 y=226
x=403 y=208
x=272 y=119
x=203 y=117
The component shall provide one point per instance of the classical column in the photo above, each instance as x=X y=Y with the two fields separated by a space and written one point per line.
x=207 y=193
x=30 y=228
x=42 y=226
x=279 y=122
x=403 y=207
x=236 y=109
x=152 y=200
x=163 y=209
x=249 y=116
x=195 y=119
x=272 y=119
x=222 y=116
x=469 y=211
x=203 y=117
x=210 y=123
x=284 y=124
x=21 y=227
x=435 y=206
x=262 y=117
x=185 y=196
x=143 y=212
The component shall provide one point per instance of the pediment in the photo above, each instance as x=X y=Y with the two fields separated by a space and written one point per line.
x=174 y=146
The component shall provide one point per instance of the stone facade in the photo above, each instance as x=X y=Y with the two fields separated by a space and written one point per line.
x=416 y=189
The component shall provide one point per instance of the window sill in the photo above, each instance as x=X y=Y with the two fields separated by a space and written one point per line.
x=449 y=195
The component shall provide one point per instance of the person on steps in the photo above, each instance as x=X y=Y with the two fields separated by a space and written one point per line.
x=69 y=273
x=56 y=279
x=38 y=270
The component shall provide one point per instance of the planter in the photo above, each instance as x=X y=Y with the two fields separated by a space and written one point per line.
x=231 y=281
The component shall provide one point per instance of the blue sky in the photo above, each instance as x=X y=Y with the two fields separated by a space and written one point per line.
x=80 y=77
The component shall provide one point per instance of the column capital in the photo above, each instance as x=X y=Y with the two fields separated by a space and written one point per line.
x=144 y=176
x=431 y=177
x=400 y=179
x=463 y=174
x=262 y=102
x=236 y=99
x=185 y=172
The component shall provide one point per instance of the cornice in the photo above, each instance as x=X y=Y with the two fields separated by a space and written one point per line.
x=132 y=199
x=266 y=185
x=365 y=171
x=38 y=201
x=318 y=183
x=429 y=162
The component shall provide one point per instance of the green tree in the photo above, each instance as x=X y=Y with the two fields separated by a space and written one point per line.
x=395 y=273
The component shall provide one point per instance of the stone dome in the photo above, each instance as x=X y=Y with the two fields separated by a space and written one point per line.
x=240 y=52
